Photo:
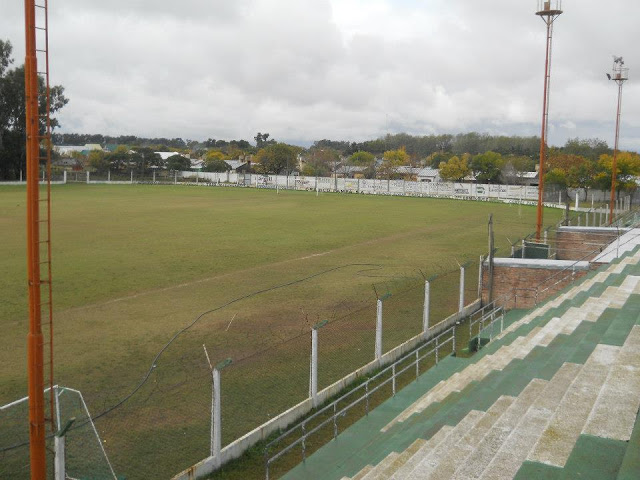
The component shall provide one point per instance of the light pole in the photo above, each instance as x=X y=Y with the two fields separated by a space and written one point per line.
x=619 y=74
x=548 y=11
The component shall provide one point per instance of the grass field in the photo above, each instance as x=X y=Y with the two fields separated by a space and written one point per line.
x=134 y=264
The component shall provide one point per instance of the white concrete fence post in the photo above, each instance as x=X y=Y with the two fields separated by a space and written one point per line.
x=480 y=276
x=64 y=176
x=379 y=330
x=606 y=220
x=109 y=175
x=425 y=311
x=314 y=368
x=131 y=176
x=59 y=468
x=88 y=177
x=58 y=462
x=216 y=417
x=461 y=298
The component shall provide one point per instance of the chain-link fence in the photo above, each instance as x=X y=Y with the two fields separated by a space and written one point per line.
x=164 y=424
x=74 y=448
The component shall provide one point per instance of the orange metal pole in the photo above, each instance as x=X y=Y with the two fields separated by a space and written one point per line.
x=614 y=167
x=34 y=339
x=543 y=136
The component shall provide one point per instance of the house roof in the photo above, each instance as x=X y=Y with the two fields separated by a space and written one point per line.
x=165 y=155
x=428 y=172
x=235 y=164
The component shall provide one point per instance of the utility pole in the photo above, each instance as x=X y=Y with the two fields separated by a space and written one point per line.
x=620 y=75
x=548 y=11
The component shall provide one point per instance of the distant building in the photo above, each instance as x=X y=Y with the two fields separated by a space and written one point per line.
x=166 y=155
x=428 y=174
x=239 y=166
x=67 y=150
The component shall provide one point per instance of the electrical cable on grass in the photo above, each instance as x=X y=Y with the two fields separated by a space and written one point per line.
x=374 y=266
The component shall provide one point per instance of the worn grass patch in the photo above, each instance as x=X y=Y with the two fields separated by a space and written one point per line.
x=133 y=264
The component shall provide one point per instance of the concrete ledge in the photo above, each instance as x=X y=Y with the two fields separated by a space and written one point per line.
x=539 y=263
x=592 y=229
x=287 y=418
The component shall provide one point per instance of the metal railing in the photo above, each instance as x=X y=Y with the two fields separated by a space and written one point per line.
x=488 y=317
x=362 y=393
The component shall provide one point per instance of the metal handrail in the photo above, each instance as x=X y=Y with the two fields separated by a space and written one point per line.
x=331 y=408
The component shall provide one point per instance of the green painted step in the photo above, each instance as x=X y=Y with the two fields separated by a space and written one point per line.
x=630 y=467
x=542 y=362
x=592 y=458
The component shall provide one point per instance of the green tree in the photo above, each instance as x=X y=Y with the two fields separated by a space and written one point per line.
x=13 y=113
x=487 y=167
x=391 y=160
x=178 y=163
x=558 y=178
x=144 y=158
x=278 y=158
x=216 y=165
x=455 y=169
x=362 y=159
x=627 y=169
x=98 y=161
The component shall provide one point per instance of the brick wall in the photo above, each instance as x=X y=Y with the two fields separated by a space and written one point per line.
x=582 y=243
x=521 y=283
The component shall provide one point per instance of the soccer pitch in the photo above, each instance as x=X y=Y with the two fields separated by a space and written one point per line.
x=134 y=264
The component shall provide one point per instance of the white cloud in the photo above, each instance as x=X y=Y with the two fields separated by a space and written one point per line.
x=343 y=69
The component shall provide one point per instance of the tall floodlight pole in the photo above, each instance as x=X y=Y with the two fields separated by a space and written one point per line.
x=548 y=11
x=35 y=338
x=619 y=74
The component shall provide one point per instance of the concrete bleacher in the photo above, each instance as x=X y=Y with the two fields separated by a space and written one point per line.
x=555 y=395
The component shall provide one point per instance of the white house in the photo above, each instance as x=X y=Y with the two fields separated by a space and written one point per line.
x=428 y=174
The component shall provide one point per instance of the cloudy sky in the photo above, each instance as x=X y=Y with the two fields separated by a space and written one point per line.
x=342 y=69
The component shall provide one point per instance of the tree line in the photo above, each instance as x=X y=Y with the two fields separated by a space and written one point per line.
x=580 y=163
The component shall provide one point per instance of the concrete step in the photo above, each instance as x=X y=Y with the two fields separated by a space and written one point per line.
x=380 y=467
x=432 y=443
x=616 y=407
x=431 y=460
x=517 y=446
x=401 y=459
x=519 y=348
x=630 y=466
x=456 y=456
x=556 y=442
x=477 y=461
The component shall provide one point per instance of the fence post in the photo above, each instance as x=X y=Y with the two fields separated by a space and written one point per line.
x=64 y=176
x=154 y=175
x=88 y=177
x=313 y=378
x=58 y=463
x=131 y=176
x=523 y=254
x=607 y=215
x=546 y=236
x=461 y=298
x=314 y=367
x=109 y=175
x=480 y=277
x=216 y=420
x=175 y=177
x=59 y=467
x=379 y=330
x=426 y=307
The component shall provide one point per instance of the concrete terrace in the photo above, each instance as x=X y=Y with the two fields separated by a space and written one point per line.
x=555 y=396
